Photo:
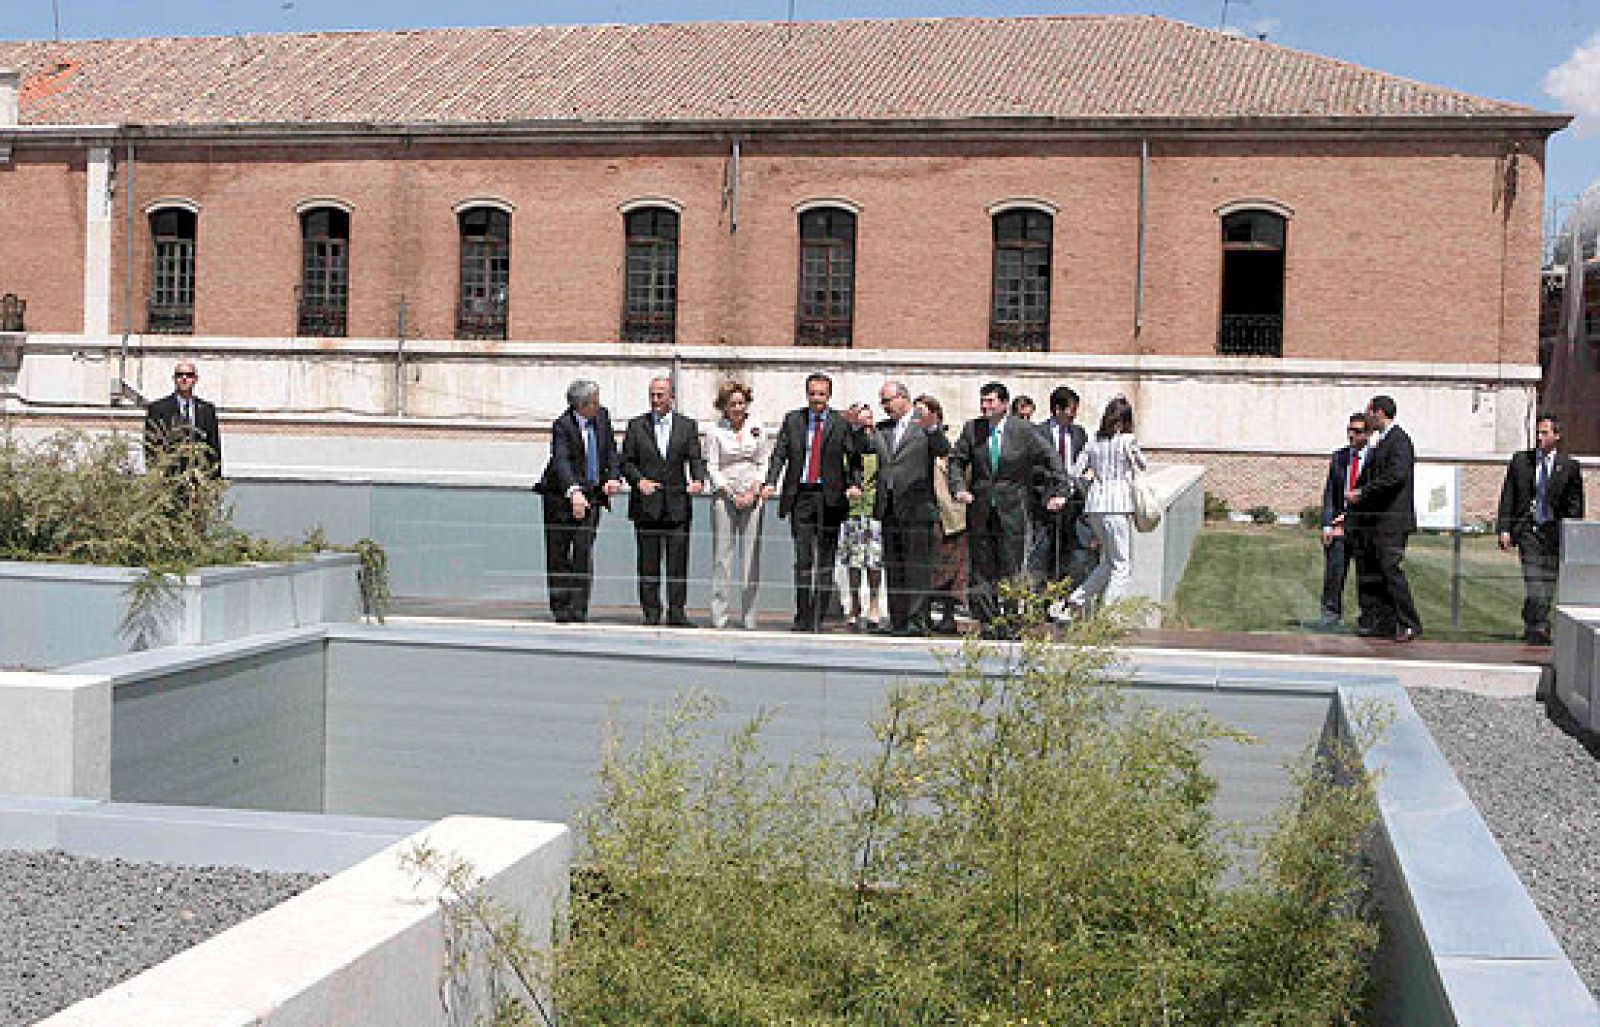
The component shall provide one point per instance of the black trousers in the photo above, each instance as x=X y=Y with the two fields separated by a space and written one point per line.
x=1381 y=585
x=569 y=557
x=993 y=555
x=908 y=563
x=1539 y=550
x=814 y=523
x=658 y=542
x=1337 y=556
x=1054 y=552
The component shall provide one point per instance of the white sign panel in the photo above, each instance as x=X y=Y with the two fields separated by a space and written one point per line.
x=1437 y=491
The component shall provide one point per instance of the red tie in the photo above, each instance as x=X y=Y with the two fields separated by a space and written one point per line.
x=1061 y=442
x=1355 y=466
x=814 y=461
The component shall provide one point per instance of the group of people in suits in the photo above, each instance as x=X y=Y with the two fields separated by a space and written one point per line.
x=1013 y=480
x=1369 y=512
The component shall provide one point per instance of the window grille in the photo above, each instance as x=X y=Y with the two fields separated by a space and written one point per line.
x=1020 y=318
x=1251 y=318
x=825 y=314
x=650 y=311
x=324 y=273
x=485 y=273
x=172 y=279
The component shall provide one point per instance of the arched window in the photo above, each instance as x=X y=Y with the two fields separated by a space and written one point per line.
x=650 y=308
x=1019 y=318
x=1251 y=321
x=172 y=239
x=485 y=273
x=324 y=272
x=825 y=313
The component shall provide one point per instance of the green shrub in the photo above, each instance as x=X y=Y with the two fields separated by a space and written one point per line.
x=1028 y=844
x=75 y=497
x=1311 y=516
x=1262 y=515
x=1216 y=508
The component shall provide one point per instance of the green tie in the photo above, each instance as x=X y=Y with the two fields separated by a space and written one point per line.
x=994 y=450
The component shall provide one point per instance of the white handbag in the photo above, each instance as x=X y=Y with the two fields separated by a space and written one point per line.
x=1146 y=507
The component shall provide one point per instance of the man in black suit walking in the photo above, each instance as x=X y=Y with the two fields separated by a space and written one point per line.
x=816 y=460
x=992 y=470
x=1344 y=470
x=181 y=430
x=1543 y=487
x=906 y=505
x=1055 y=552
x=580 y=479
x=663 y=466
x=1382 y=514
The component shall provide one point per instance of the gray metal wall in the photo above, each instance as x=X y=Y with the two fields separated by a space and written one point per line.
x=430 y=727
x=244 y=732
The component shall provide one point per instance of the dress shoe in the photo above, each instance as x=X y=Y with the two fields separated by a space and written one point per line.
x=1407 y=634
x=946 y=627
x=652 y=619
x=1538 y=636
x=679 y=620
x=1372 y=632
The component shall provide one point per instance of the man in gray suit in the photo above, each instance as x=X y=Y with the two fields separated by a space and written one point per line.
x=992 y=469
x=907 y=506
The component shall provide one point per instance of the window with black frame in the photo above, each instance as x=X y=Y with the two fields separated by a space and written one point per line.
x=1251 y=321
x=485 y=273
x=324 y=273
x=170 y=310
x=650 y=310
x=1020 y=316
x=825 y=313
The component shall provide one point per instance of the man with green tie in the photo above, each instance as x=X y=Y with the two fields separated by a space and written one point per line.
x=992 y=468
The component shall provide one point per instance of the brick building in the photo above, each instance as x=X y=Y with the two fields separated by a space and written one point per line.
x=415 y=234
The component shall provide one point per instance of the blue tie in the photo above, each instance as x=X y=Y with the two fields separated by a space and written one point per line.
x=594 y=452
x=1541 y=512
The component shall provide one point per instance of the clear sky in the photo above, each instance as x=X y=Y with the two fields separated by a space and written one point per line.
x=1505 y=49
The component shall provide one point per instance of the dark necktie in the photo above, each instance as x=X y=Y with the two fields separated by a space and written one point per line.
x=1061 y=444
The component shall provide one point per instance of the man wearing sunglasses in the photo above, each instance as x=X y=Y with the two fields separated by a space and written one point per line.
x=182 y=429
x=1344 y=469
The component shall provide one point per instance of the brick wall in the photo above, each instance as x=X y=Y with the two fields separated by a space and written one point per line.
x=1396 y=250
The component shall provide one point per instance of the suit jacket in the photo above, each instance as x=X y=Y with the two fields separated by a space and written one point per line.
x=906 y=472
x=1386 y=506
x=1003 y=492
x=1333 y=489
x=568 y=464
x=671 y=503
x=841 y=460
x=1077 y=438
x=1519 y=493
x=164 y=429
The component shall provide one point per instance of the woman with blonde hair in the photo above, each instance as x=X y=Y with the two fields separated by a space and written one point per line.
x=736 y=453
x=1108 y=462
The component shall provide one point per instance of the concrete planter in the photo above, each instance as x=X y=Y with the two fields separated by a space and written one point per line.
x=52 y=614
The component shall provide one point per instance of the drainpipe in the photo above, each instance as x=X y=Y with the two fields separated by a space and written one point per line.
x=733 y=188
x=1138 y=269
x=400 y=361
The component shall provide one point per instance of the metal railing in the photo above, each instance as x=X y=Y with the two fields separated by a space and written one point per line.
x=322 y=321
x=1023 y=338
x=1251 y=335
x=170 y=319
x=481 y=321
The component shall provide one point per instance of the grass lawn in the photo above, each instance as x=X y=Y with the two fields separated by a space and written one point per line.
x=1246 y=577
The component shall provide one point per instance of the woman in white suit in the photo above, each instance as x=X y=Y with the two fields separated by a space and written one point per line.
x=736 y=452
x=1108 y=462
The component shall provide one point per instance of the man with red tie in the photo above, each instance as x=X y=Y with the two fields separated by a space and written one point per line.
x=816 y=457
x=1344 y=469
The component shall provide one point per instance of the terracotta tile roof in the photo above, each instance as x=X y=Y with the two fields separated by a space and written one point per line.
x=957 y=68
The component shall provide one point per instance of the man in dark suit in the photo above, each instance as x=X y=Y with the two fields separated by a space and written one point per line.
x=662 y=463
x=1381 y=512
x=181 y=430
x=580 y=479
x=1344 y=470
x=906 y=505
x=816 y=461
x=1543 y=487
x=992 y=470
x=1056 y=551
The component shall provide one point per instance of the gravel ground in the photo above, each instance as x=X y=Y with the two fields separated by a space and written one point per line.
x=71 y=927
x=1539 y=791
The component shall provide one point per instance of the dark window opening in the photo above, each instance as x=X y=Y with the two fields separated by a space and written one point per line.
x=650 y=311
x=171 y=304
x=1020 y=316
x=825 y=314
x=485 y=273
x=1252 y=284
x=324 y=273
